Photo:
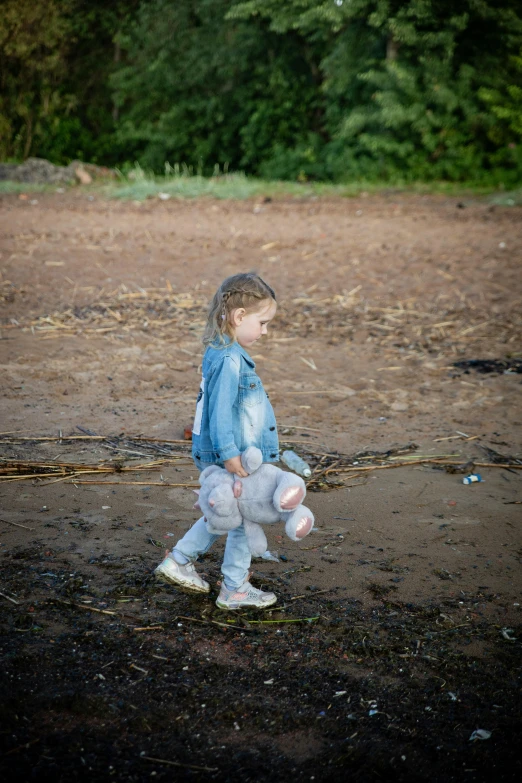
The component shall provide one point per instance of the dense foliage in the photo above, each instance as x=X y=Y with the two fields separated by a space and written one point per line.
x=305 y=89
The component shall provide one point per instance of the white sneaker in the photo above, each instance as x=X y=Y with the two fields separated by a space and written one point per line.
x=244 y=597
x=184 y=576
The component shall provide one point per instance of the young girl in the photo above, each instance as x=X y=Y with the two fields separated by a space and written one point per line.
x=232 y=413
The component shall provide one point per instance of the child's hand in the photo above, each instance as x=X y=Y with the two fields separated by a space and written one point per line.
x=233 y=465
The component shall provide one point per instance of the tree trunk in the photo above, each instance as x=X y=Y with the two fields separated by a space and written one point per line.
x=117 y=56
x=28 y=136
x=392 y=48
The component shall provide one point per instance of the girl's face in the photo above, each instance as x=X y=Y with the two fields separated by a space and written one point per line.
x=249 y=327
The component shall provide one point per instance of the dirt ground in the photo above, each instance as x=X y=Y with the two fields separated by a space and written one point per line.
x=397 y=631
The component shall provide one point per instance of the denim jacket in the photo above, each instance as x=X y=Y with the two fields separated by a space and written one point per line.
x=232 y=409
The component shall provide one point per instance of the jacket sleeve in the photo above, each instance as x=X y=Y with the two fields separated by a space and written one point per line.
x=223 y=392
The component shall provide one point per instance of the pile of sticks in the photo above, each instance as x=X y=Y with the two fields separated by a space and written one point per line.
x=330 y=470
x=333 y=470
x=126 y=449
x=60 y=471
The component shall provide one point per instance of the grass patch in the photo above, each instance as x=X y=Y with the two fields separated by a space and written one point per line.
x=182 y=183
x=512 y=198
x=138 y=186
x=6 y=187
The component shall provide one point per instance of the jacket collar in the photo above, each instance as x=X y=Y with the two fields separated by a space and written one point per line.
x=233 y=345
x=248 y=359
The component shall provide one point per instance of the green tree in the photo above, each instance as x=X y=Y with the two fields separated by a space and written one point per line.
x=406 y=103
x=506 y=104
x=331 y=89
x=196 y=89
x=34 y=42
x=55 y=61
x=85 y=127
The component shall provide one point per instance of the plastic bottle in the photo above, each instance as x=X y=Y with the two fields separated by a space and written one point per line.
x=472 y=478
x=295 y=463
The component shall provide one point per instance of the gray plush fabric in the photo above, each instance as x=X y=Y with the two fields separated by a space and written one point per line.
x=268 y=495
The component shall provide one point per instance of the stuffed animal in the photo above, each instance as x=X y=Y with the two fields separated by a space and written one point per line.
x=266 y=496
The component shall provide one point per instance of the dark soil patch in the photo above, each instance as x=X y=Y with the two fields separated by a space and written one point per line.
x=392 y=693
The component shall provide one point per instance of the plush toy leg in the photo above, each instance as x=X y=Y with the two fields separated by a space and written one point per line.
x=299 y=523
x=290 y=492
x=256 y=538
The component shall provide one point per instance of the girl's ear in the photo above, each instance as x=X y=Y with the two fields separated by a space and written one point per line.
x=237 y=315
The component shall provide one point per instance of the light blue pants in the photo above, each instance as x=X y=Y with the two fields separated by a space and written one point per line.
x=237 y=557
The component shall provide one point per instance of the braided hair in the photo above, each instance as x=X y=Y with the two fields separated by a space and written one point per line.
x=246 y=290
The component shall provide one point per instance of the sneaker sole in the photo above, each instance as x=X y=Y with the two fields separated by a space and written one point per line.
x=232 y=607
x=183 y=586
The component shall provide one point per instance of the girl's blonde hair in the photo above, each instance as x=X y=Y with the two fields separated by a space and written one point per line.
x=246 y=290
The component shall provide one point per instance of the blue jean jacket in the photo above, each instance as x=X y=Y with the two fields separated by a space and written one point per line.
x=232 y=409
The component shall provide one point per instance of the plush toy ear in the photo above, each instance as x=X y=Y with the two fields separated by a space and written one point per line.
x=251 y=459
x=205 y=473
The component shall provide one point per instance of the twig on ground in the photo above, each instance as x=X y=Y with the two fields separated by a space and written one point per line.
x=139 y=668
x=10 y=599
x=272 y=622
x=16 y=524
x=310 y=595
x=179 y=764
x=135 y=483
x=84 y=606
x=22 y=747
x=296 y=427
x=119 y=615
x=53 y=438
x=48 y=438
x=426 y=461
x=210 y=622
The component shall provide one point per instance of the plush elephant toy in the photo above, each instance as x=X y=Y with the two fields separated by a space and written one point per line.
x=266 y=496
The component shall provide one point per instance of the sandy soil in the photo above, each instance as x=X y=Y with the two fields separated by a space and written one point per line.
x=103 y=306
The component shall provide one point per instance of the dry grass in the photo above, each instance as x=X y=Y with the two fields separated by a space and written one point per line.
x=449 y=323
